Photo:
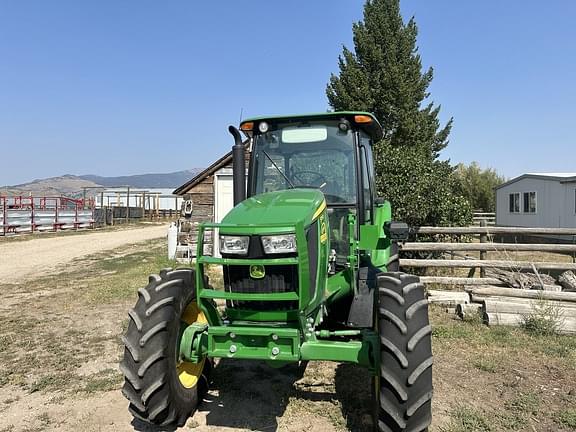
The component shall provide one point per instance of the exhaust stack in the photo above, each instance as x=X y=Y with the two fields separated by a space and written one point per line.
x=238 y=166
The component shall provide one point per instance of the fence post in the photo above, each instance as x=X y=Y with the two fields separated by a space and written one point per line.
x=483 y=239
x=4 y=218
x=127 y=205
x=32 y=226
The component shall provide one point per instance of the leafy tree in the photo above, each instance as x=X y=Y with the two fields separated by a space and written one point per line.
x=478 y=184
x=383 y=75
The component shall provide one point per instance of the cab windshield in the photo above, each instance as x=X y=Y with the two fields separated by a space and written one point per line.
x=306 y=155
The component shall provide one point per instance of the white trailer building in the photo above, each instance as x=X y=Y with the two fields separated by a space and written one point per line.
x=546 y=200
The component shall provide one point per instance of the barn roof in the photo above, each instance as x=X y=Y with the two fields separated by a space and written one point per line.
x=564 y=175
x=561 y=177
x=220 y=163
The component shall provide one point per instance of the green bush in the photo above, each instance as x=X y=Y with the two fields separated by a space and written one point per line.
x=545 y=319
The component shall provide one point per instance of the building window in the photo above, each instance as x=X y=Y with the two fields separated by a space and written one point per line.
x=529 y=202
x=514 y=203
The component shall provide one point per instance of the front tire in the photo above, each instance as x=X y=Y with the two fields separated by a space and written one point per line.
x=162 y=390
x=403 y=386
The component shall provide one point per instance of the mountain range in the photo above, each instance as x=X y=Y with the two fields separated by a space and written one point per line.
x=74 y=185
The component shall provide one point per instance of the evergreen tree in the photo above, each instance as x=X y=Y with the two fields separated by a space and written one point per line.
x=383 y=75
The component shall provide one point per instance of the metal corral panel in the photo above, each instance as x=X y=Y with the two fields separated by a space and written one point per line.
x=26 y=214
x=45 y=219
x=20 y=219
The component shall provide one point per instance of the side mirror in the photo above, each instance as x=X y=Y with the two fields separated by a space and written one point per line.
x=396 y=231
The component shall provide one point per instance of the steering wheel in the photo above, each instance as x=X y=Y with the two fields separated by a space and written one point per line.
x=309 y=179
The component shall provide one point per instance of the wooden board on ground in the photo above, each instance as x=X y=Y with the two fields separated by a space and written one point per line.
x=508 y=305
x=493 y=291
x=563 y=325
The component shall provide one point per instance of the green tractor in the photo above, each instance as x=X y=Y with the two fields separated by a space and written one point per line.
x=310 y=272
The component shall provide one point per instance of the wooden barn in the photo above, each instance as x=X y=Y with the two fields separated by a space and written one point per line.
x=211 y=193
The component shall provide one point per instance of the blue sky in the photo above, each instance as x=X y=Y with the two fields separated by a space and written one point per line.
x=124 y=87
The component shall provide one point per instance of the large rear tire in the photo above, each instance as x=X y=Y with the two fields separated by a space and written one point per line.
x=403 y=386
x=163 y=390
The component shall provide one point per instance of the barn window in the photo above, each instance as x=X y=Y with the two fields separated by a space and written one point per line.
x=514 y=203
x=529 y=202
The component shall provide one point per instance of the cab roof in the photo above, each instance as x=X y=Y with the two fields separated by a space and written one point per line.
x=374 y=129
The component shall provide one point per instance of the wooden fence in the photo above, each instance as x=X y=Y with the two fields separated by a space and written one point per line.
x=480 y=217
x=448 y=254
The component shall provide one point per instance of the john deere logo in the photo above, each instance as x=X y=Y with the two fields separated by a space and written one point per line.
x=323 y=233
x=257 y=271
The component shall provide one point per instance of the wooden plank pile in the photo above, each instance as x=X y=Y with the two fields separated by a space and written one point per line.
x=528 y=298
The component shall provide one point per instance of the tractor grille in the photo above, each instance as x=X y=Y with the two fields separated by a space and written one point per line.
x=278 y=279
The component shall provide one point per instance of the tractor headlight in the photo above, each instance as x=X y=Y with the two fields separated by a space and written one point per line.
x=234 y=244
x=277 y=244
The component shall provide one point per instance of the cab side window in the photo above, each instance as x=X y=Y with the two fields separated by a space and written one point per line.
x=369 y=185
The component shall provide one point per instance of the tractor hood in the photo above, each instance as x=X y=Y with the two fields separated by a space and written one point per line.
x=288 y=207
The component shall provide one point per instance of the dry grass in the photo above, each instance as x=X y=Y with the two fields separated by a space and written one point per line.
x=74 y=304
x=505 y=379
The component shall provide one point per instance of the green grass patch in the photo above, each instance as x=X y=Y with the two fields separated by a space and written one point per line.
x=58 y=381
x=559 y=347
x=468 y=419
x=566 y=418
x=509 y=421
x=528 y=403
x=446 y=331
x=106 y=380
x=122 y=276
x=486 y=364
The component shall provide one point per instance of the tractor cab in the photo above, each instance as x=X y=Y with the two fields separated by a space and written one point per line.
x=330 y=152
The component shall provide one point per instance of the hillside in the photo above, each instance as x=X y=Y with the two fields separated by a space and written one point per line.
x=71 y=185
x=67 y=185
x=164 y=180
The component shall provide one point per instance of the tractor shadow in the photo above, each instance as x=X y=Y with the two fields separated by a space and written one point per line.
x=252 y=395
x=354 y=391
x=141 y=426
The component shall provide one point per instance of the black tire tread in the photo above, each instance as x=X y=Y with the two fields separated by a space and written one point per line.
x=151 y=384
x=406 y=355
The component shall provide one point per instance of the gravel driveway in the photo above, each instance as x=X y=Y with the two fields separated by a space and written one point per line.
x=26 y=259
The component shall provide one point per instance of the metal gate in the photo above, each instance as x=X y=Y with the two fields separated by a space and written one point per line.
x=19 y=214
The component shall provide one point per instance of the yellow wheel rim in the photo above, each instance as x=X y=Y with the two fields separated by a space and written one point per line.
x=189 y=373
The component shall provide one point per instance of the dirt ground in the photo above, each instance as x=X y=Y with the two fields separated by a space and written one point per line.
x=38 y=256
x=60 y=329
